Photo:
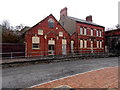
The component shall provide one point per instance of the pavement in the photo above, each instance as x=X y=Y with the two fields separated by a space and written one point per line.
x=26 y=76
x=102 y=78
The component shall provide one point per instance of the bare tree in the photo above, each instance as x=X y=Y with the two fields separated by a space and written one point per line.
x=19 y=27
x=5 y=25
x=118 y=26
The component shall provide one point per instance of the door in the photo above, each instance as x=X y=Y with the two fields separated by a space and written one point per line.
x=64 y=43
x=63 y=49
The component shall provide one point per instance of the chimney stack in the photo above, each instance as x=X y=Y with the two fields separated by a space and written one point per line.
x=89 y=18
x=63 y=12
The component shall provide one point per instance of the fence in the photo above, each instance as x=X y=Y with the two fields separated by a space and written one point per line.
x=45 y=54
x=12 y=49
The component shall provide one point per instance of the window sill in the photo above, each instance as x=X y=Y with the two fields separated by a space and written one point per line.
x=35 y=48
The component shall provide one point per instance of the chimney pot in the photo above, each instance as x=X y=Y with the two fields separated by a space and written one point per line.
x=89 y=18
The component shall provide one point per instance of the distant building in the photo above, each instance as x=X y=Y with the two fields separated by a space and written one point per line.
x=22 y=33
x=85 y=35
x=47 y=37
x=112 y=38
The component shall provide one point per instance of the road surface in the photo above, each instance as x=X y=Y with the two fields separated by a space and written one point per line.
x=26 y=76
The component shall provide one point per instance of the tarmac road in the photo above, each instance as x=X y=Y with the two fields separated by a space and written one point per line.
x=26 y=76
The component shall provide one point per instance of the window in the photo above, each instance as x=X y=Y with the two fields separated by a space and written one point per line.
x=35 y=42
x=100 y=33
x=91 y=32
x=72 y=46
x=60 y=34
x=81 y=30
x=64 y=41
x=100 y=44
x=81 y=43
x=85 y=43
x=51 y=47
x=35 y=46
x=40 y=32
x=35 y=39
x=97 y=44
x=51 y=23
x=51 y=42
x=92 y=44
x=85 y=31
x=97 y=32
x=63 y=23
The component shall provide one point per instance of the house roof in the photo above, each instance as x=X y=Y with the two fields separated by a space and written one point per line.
x=46 y=18
x=114 y=32
x=84 y=21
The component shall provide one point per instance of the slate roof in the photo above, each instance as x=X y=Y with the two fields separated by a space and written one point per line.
x=83 y=21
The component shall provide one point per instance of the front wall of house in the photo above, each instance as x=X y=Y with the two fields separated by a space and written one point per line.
x=90 y=40
x=51 y=38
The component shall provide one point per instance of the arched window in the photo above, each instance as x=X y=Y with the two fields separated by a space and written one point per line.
x=51 y=23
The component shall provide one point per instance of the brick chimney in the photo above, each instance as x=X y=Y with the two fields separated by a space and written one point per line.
x=89 y=18
x=63 y=12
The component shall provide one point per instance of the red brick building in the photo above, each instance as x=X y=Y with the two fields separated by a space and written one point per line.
x=85 y=35
x=50 y=37
x=47 y=37
x=112 y=41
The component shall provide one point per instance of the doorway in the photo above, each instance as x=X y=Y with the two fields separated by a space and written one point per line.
x=51 y=49
x=64 y=42
x=72 y=46
x=63 y=49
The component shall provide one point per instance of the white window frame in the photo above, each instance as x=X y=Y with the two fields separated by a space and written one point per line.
x=37 y=44
x=35 y=40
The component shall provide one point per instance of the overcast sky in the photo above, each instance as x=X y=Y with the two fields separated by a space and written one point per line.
x=30 y=12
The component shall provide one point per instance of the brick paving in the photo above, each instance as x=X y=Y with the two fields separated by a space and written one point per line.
x=103 y=78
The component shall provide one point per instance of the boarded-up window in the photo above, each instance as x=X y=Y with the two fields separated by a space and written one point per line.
x=60 y=34
x=100 y=33
x=85 y=43
x=92 y=44
x=64 y=41
x=35 y=39
x=51 y=42
x=91 y=32
x=40 y=32
x=97 y=33
x=72 y=46
x=35 y=42
x=97 y=44
x=85 y=31
x=81 y=30
x=100 y=44
x=81 y=43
